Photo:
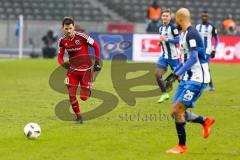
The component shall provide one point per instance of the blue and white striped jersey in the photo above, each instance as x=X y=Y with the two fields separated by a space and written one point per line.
x=207 y=31
x=199 y=72
x=169 y=48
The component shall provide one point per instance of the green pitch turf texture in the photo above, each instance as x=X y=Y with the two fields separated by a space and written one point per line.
x=25 y=96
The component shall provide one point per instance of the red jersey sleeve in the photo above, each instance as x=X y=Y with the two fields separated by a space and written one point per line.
x=96 y=47
x=97 y=51
x=61 y=51
x=92 y=43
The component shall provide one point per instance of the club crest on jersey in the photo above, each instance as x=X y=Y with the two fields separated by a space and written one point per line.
x=77 y=42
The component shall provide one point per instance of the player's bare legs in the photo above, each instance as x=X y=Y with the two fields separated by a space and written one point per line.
x=178 y=113
x=189 y=89
x=181 y=116
x=159 y=72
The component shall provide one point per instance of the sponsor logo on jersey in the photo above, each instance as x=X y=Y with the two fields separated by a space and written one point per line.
x=74 y=49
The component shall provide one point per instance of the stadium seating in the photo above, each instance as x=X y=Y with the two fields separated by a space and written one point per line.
x=131 y=10
x=81 y=10
x=135 y=10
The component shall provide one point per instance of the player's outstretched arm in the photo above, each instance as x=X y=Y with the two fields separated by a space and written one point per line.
x=181 y=69
x=97 y=51
x=189 y=63
x=216 y=41
x=174 y=41
x=215 y=36
x=215 y=46
x=97 y=66
x=92 y=43
x=66 y=65
x=60 y=55
x=175 y=34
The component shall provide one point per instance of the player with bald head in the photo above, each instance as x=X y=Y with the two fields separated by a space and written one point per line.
x=194 y=76
x=183 y=18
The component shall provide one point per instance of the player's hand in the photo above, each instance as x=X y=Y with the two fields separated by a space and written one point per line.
x=97 y=67
x=170 y=80
x=213 y=53
x=66 y=65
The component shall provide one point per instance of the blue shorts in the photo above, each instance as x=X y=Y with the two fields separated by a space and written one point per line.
x=188 y=94
x=163 y=63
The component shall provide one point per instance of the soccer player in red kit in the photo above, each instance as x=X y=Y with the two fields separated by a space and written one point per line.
x=79 y=67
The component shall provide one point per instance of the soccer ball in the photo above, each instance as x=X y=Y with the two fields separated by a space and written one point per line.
x=32 y=130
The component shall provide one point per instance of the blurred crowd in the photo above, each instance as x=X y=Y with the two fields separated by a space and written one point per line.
x=230 y=27
x=153 y=18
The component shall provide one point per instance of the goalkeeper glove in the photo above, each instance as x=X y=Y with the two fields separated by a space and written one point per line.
x=66 y=65
x=170 y=80
x=213 y=54
x=97 y=67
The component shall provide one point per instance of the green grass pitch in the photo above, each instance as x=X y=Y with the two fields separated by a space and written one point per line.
x=25 y=96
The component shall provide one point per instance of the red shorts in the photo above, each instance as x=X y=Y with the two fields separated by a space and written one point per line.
x=79 y=78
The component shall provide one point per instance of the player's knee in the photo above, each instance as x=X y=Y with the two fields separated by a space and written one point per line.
x=180 y=117
x=173 y=114
x=85 y=94
x=158 y=74
x=177 y=114
x=173 y=111
x=84 y=98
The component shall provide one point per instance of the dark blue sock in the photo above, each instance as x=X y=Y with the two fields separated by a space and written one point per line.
x=191 y=117
x=199 y=119
x=181 y=131
x=161 y=84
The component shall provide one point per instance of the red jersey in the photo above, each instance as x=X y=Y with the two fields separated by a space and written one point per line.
x=78 y=51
